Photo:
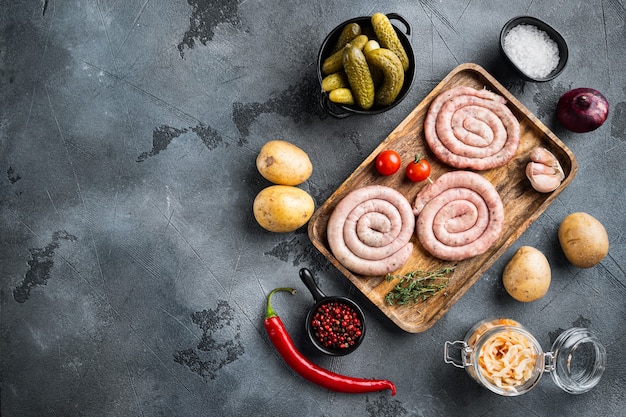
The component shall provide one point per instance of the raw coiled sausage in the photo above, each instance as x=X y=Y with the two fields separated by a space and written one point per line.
x=469 y=128
x=369 y=230
x=460 y=215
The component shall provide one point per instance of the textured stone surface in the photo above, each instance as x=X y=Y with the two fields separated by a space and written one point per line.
x=133 y=274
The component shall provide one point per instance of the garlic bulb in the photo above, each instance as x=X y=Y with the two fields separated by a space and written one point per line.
x=544 y=171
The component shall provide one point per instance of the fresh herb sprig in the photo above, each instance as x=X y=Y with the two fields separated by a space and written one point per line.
x=417 y=285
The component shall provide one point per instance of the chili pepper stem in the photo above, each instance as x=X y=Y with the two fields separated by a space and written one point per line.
x=269 y=311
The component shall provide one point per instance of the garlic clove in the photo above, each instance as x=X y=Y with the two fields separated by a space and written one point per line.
x=544 y=171
x=542 y=177
x=545 y=157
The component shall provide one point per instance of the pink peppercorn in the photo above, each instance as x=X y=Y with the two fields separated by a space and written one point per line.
x=336 y=325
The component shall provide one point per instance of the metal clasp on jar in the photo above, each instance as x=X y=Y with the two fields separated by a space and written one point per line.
x=548 y=362
x=464 y=352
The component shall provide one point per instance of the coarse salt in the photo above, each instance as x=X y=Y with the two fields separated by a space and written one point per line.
x=532 y=50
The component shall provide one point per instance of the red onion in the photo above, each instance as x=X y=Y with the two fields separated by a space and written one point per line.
x=582 y=110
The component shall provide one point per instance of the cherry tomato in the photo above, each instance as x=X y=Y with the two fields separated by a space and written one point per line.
x=418 y=169
x=388 y=162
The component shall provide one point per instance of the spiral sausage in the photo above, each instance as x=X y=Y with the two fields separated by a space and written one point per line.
x=470 y=128
x=369 y=230
x=460 y=215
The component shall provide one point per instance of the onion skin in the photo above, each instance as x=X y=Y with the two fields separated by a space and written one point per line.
x=582 y=110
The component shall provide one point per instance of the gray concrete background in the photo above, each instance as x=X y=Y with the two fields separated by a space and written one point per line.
x=133 y=274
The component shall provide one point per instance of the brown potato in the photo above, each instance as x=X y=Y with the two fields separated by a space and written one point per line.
x=283 y=163
x=583 y=239
x=283 y=208
x=527 y=276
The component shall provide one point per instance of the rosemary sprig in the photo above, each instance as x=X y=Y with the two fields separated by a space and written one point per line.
x=417 y=285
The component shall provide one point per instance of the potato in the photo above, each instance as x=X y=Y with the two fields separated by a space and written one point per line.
x=583 y=239
x=283 y=208
x=527 y=276
x=283 y=163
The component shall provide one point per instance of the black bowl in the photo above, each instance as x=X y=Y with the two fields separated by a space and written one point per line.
x=341 y=110
x=554 y=35
x=321 y=300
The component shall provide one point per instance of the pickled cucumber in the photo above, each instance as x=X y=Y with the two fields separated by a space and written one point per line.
x=371 y=45
x=391 y=67
x=377 y=74
x=359 y=76
x=349 y=32
x=334 y=63
x=335 y=80
x=388 y=38
x=342 y=96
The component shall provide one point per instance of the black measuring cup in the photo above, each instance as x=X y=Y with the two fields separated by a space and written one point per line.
x=349 y=336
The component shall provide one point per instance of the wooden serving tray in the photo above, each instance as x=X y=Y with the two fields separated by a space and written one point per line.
x=522 y=204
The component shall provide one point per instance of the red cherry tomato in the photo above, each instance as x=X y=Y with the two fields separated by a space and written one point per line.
x=388 y=162
x=418 y=169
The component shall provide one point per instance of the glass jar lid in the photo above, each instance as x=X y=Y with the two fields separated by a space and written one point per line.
x=577 y=360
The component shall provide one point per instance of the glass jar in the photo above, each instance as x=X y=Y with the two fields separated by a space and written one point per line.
x=501 y=355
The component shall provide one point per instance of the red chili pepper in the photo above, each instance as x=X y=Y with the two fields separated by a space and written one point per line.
x=308 y=370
